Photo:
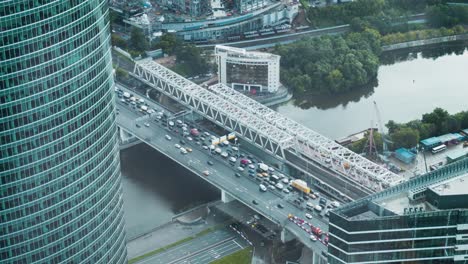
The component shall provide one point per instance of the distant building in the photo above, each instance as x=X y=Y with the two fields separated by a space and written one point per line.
x=243 y=6
x=194 y=8
x=247 y=70
x=234 y=26
x=424 y=220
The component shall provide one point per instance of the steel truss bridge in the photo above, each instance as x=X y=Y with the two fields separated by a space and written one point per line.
x=264 y=127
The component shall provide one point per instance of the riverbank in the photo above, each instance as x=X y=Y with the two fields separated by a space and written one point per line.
x=425 y=42
x=404 y=92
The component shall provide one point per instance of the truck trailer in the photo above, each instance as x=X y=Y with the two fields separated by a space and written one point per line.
x=301 y=186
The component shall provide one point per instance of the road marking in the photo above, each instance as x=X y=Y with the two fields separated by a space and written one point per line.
x=238 y=244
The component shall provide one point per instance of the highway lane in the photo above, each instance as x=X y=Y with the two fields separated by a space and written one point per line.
x=213 y=245
x=350 y=189
x=216 y=252
x=322 y=175
x=221 y=175
x=338 y=183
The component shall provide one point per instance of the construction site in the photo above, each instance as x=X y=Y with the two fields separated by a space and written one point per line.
x=430 y=154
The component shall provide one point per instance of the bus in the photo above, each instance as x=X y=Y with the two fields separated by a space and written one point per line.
x=439 y=148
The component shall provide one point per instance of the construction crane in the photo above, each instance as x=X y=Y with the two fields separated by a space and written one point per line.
x=385 y=139
x=370 y=149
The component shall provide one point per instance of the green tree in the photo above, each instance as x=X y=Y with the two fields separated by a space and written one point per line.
x=138 y=40
x=335 y=80
x=392 y=126
x=169 y=43
x=405 y=137
x=118 y=41
x=121 y=73
x=437 y=117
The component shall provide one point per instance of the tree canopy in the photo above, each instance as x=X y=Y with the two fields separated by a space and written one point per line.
x=138 y=41
x=190 y=61
x=330 y=64
x=436 y=123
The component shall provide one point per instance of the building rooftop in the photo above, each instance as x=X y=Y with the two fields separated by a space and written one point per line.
x=430 y=141
x=456 y=186
x=450 y=137
x=243 y=53
x=411 y=195
x=401 y=203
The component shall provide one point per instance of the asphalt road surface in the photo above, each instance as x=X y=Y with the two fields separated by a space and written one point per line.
x=204 y=249
x=221 y=174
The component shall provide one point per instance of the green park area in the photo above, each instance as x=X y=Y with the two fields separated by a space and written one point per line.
x=243 y=256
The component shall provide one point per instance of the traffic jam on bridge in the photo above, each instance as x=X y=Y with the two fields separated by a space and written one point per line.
x=226 y=149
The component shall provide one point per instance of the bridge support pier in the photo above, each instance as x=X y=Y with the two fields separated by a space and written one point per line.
x=318 y=258
x=286 y=236
x=127 y=140
x=226 y=197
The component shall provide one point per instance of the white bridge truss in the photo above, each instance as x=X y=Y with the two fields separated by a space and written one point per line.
x=264 y=127
x=214 y=107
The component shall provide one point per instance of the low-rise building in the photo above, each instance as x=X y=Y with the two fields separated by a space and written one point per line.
x=248 y=70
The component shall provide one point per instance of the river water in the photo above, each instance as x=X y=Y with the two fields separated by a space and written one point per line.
x=155 y=188
x=406 y=89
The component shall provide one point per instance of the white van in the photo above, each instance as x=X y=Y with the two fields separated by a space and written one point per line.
x=263 y=188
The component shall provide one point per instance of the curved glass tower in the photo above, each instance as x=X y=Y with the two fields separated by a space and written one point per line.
x=60 y=195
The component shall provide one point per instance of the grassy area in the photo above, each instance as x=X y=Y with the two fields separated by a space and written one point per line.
x=159 y=250
x=243 y=256
x=304 y=4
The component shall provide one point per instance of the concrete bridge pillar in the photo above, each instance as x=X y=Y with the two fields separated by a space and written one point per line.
x=318 y=258
x=127 y=139
x=286 y=236
x=226 y=197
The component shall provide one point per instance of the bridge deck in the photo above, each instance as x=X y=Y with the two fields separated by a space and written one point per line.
x=264 y=127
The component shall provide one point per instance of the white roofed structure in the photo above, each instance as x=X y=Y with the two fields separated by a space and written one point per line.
x=248 y=70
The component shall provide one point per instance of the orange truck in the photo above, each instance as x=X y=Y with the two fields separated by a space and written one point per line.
x=301 y=186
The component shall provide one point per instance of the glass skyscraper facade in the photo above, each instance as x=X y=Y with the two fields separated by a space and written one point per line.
x=60 y=195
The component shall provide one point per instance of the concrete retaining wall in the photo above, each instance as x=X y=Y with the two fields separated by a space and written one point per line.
x=423 y=42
